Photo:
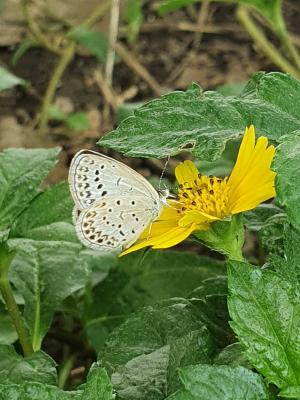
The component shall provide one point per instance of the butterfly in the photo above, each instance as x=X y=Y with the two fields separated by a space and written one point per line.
x=113 y=203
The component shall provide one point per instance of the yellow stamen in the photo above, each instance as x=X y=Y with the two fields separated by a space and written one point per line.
x=208 y=195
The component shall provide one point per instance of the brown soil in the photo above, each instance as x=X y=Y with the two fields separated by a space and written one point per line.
x=173 y=55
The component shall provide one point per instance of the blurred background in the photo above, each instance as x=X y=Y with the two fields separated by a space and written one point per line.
x=71 y=70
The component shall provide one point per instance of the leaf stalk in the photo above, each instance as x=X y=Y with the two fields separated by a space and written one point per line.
x=6 y=257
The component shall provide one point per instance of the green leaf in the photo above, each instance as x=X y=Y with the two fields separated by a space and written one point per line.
x=270 y=9
x=54 y=112
x=47 y=247
x=143 y=280
x=286 y=164
x=292 y=392
x=210 y=299
x=9 y=80
x=78 y=121
x=45 y=275
x=269 y=221
x=35 y=391
x=94 y=41
x=203 y=122
x=126 y=110
x=48 y=218
x=98 y=386
x=134 y=18
x=231 y=89
x=181 y=395
x=262 y=216
x=21 y=172
x=265 y=310
x=39 y=367
x=144 y=353
x=288 y=266
x=226 y=237
x=232 y=355
x=8 y=333
x=168 y=6
x=212 y=382
x=22 y=48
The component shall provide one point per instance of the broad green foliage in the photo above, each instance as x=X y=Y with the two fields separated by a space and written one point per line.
x=232 y=355
x=98 y=385
x=43 y=237
x=166 y=336
x=141 y=280
x=28 y=379
x=286 y=164
x=35 y=391
x=94 y=41
x=15 y=369
x=159 y=320
x=9 y=80
x=289 y=265
x=210 y=299
x=8 y=334
x=39 y=274
x=269 y=221
x=21 y=172
x=291 y=392
x=211 y=382
x=265 y=310
x=55 y=225
x=203 y=122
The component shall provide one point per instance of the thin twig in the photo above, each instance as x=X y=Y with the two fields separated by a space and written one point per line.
x=97 y=14
x=262 y=42
x=36 y=31
x=107 y=91
x=110 y=61
x=202 y=17
x=113 y=34
x=195 y=41
x=131 y=61
x=65 y=59
x=164 y=25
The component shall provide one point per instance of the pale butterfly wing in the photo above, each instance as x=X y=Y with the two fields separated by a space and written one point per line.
x=113 y=203
x=116 y=222
x=94 y=176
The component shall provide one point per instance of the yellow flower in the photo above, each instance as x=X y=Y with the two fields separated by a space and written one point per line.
x=203 y=200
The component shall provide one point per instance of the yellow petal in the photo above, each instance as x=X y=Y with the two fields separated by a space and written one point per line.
x=186 y=172
x=244 y=155
x=251 y=181
x=168 y=239
x=196 y=217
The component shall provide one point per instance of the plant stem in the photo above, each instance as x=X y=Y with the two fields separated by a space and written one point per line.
x=35 y=29
x=67 y=56
x=6 y=257
x=294 y=55
x=65 y=369
x=97 y=14
x=262 y=42
x=280 y=29
x=63 y=62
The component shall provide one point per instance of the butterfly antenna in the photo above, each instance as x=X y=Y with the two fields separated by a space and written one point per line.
x=163 y=172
